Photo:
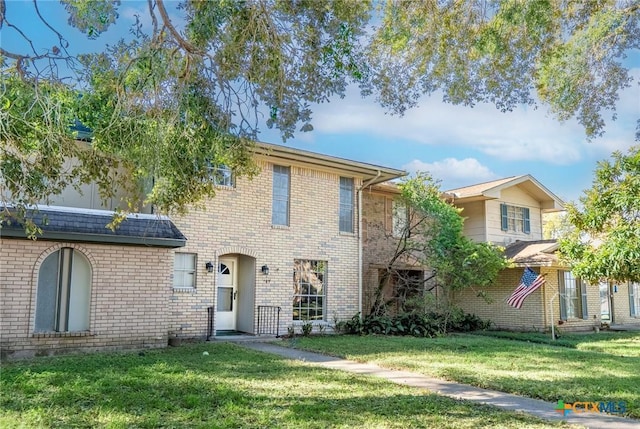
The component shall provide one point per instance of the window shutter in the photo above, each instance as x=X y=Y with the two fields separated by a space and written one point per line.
x=563 y=304
x=527 y=221
x=583 y=292
x=632 y=304
x=505 y=220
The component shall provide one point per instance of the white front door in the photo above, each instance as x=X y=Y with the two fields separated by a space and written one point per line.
x=227 y=294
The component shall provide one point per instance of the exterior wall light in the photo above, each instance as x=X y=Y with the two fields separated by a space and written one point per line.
x=265 y=270
x=209 y=266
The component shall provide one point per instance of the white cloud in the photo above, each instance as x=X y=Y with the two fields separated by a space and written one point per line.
x=453 y=172
x=524 y=134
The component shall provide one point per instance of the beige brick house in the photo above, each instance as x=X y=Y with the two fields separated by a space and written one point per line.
x=508 y=212
x=264 y=255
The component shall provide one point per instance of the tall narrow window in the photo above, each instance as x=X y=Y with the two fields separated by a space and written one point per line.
x=346 y=204
x=64 y=292
x=184 y=271
x=634 y=299
x=400 y=219
x=309 y=291
x=573 y=297
x=280 y=204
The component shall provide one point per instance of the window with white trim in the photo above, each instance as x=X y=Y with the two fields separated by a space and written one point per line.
x=346 y=204
x=63 y=297
x=221 y=175
x=573 y=296
x=400 y=219
x=280 y=203
x=634 y=299
x=309 y=289
x=184 y=271
x=515 y=219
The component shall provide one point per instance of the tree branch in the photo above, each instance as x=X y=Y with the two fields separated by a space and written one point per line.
x=176 y=35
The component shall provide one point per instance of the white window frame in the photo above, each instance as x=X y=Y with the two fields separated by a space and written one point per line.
x=345 y=218
x=185 y=274
x=634 y=299
x=281 y=195
x=307 y=276
x=222 y=175
x=399 y=218
x=63 y=302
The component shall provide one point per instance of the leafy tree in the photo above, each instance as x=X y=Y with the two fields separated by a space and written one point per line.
x=433 y=238
x=555 y=225
x=183 y=94
x=568 y=53
x=168 y=102
x=606 y=240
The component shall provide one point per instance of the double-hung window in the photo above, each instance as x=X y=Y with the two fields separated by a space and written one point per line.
x=573 y=296
x=346 y=204
x=184 y=271
x=221 y=175
x=515 y=219
x=280 y=203
x=64 y=292
x=309 y=289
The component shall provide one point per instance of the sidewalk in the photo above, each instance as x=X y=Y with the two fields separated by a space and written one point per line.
x=506 y=401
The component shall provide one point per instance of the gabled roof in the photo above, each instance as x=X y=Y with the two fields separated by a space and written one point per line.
x=89 y=226
x=493 y=190
x=539 y=253
x=370 y=173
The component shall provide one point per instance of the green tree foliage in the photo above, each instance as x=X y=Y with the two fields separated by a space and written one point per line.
x=606 y=242
x=568 y=53
x=433 y=238
x=168 y=102
x=191 y=88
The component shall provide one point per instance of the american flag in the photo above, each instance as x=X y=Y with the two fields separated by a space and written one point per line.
x=529 y=282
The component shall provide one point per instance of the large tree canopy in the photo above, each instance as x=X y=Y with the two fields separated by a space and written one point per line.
x=606 y=241
x=191 y=88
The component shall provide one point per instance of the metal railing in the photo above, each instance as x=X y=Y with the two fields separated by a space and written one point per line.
x=209 y=322
x=268 y=320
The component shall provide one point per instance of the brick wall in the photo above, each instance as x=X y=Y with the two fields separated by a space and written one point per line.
x=129 y=295
x=238 y=222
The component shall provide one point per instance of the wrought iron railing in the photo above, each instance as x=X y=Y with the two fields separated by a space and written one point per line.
x=268 y=320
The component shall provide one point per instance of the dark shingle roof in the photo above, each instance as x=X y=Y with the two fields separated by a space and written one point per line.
x=90 y=226
x=532 y=253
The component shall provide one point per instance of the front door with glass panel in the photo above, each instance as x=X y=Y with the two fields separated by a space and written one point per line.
x=226 y=302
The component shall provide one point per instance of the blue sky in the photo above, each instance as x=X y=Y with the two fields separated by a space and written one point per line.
x=459 y=145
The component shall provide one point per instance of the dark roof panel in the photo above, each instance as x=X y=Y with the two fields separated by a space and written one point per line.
x=90 y=226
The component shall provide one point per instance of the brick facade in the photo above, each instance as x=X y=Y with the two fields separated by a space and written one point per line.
x=119 y=318
x=237 y=223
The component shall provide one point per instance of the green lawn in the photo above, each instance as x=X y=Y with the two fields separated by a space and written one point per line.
x=230 y=387
x=597 y=367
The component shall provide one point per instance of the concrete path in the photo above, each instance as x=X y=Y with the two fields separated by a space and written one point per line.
x=535 y=407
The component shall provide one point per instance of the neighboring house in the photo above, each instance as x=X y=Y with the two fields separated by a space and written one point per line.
x=509 y=212
x=262 y=256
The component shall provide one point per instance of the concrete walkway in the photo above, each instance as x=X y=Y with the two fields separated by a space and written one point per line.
x=535 y=407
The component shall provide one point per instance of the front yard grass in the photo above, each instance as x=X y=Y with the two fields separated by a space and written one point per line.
x=596 y=367
x=231 y=387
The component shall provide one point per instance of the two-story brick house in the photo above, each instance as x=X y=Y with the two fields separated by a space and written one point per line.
x=288 y=239
x=509 y=212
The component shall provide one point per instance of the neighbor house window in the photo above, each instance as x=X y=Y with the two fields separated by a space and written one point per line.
x=221 y=175
x=64 y=292
x=346 y=204
x=515 y=219
x=184 y=271
x=400 y=219
x=309 y=289
x=280 y=204
x=573 y=296
x=634 y=299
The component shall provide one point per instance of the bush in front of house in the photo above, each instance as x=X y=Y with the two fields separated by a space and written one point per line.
x=428 y=324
